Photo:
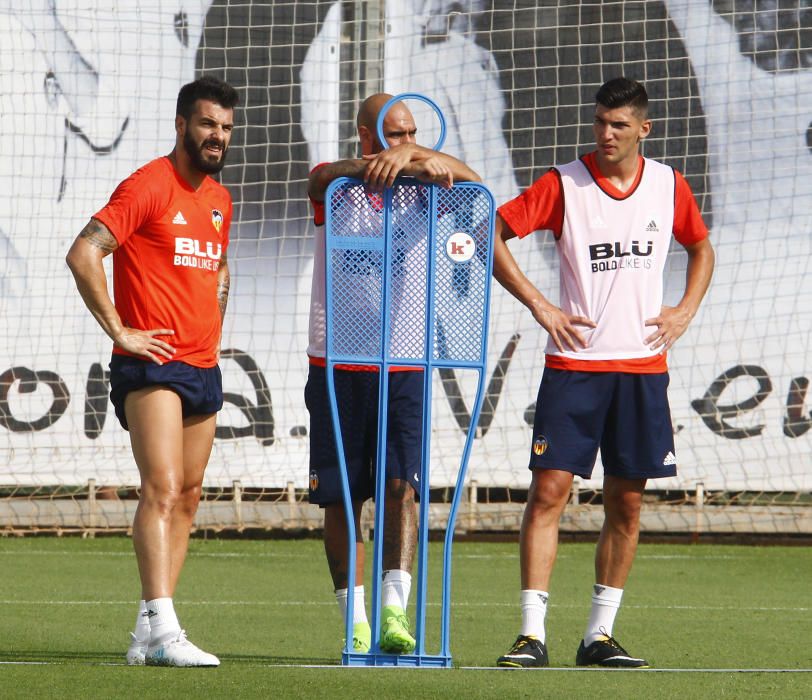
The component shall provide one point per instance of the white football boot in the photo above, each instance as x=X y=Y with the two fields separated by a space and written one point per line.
x=178 y=651
x=137 y=651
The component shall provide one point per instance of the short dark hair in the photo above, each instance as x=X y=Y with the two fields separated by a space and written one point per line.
x=206 y=87
x=623 y=92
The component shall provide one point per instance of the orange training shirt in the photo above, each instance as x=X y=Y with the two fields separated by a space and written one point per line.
x=171 y=240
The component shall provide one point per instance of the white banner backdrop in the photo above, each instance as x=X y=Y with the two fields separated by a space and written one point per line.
x=88 y=95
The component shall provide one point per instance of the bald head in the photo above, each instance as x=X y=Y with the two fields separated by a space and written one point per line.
x=398 y=124
x=370 y=109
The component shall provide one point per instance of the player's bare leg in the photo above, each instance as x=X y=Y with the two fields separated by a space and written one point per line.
x=614 y=556
x=538 y=546
x=337 y=551
x=198 y=439
x=400 y=525
x=538 y=540
x=399 y=545
x=335 y=543
x=622 y=499
x=147 y=527
x=155 y=420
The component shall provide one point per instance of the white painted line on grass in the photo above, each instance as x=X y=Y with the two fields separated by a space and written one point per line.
x=338 y=667
x=213 y=555
x=27 y=663
x=462 y=604
x=307 y=555
x=582 y=669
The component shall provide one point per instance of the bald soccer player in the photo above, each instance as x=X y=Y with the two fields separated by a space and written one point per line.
x=357 y=387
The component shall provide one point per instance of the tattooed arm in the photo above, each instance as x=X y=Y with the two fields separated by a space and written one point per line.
x=85 y=262
x=321 y=178
x=223 y=283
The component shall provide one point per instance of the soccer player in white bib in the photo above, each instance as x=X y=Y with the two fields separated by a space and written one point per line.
x=613 y=214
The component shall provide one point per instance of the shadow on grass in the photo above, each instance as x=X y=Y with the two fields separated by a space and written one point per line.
x=274 y=660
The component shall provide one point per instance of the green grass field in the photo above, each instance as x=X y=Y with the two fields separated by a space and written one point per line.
x=267 y=609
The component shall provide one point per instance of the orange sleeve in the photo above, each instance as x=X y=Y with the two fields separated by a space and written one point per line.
x=689 y=227
x=318 y=207
x=540 y=207
x=134 y=202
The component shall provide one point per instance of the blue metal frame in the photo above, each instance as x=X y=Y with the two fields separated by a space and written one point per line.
x=384 y=361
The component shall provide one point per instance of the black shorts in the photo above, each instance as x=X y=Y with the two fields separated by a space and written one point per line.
x=200 y=388
x=625 y=415
x=357 y=398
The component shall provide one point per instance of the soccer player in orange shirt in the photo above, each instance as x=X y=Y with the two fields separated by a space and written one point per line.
x=167 y=226
x=613 y=214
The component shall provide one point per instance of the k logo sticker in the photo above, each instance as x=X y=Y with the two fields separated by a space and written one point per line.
x=460 y=247
x=217 y=219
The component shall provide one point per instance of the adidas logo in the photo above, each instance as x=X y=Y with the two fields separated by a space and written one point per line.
x=151 y=613
x=669 y=460
x=598 y=589
x=598 y=222
x=179 y=219
x=652 y=227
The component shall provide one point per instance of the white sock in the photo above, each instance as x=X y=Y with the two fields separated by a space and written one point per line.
x=142 y=626
x=397 y=584
x=605 y=604
x=359 y=611
x=163 y=622
x=534 y=610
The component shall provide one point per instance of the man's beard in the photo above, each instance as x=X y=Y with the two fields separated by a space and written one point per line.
x=199 y=161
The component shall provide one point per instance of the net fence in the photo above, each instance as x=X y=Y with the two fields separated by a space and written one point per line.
x=88 y=94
